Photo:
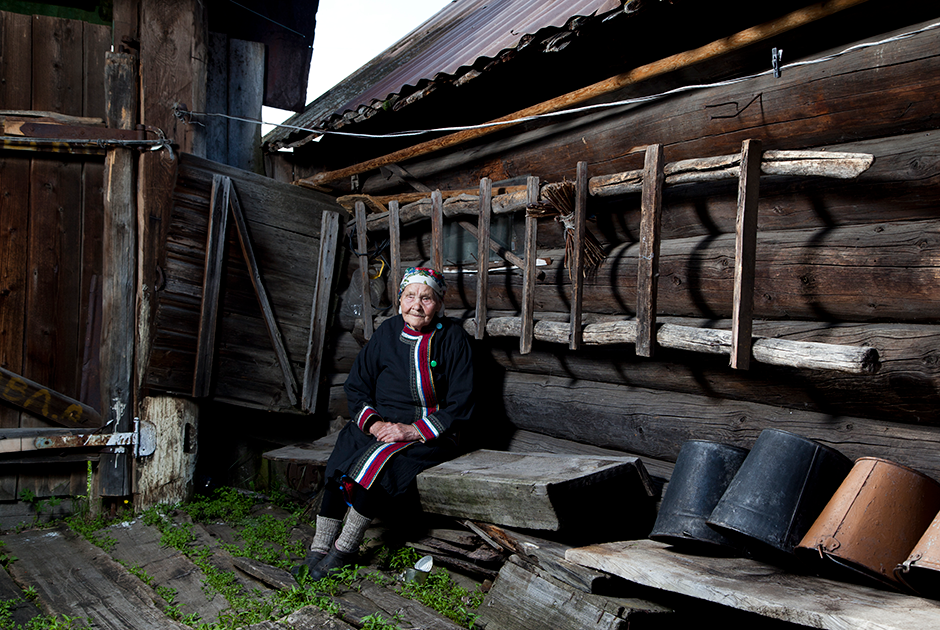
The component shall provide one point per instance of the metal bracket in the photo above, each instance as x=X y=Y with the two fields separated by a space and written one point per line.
x=776 y=59
x=142 y=439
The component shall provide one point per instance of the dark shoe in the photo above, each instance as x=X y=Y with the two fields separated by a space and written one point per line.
x=313 y=559
x=332 y=563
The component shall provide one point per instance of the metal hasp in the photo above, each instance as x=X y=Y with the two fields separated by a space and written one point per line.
x=142 y=440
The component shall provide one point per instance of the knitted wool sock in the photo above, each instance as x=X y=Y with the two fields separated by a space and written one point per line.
x=353 y=531
x=327 y=531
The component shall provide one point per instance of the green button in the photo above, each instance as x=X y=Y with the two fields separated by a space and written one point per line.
x=433 y=363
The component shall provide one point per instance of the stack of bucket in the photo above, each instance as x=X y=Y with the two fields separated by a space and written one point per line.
x=791 y=501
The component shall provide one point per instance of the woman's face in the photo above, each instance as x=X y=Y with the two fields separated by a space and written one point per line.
x=419 y=305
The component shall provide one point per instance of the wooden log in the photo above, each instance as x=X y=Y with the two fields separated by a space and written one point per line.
x=528 y=281
x=760 y=588
x=463 y=205
x=548 y=492
x=669 y=64
x=837 y=165
x=647 y=281
x=857 y=273
x=745 y=245
x=379 y=201
x=800 y=354
x=319 y=311
x=211 y=285
x=530 y=599
x=655 y=423
x=893 y=75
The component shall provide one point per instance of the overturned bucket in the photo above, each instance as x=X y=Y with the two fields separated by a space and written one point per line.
x=702 y=473
x=780 y=489
x=921 y=570
x=874 y=519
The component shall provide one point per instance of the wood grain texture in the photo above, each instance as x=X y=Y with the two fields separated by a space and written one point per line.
x=763 y=589
x=745 y=253
x=648 y=264
x=364 y=281
x=528 y=279
x=437 y=231
x=394 y=237
x=483 y=253
x=576 y=268
x=320 y=308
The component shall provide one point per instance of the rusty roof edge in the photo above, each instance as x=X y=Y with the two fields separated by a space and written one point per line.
x=331 y=117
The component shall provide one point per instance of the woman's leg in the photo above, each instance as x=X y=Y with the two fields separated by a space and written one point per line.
x=366 y=504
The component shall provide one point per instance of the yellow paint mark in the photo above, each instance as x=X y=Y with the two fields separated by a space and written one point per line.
x=40 y=393
x=73 y=412
x=16 y=385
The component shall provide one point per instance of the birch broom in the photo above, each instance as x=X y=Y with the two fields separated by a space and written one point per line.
x=558 y=201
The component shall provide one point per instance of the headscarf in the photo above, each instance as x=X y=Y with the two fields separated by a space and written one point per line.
x=423 y=275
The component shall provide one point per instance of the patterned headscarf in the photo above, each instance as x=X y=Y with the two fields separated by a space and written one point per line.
x=423 y=275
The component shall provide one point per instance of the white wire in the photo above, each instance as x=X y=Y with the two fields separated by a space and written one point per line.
x=589 y=108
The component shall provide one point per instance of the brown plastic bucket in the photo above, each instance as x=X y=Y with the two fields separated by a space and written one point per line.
x=874 y=519
x=921 y=570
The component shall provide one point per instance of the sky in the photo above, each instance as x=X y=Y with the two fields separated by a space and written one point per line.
x=349 y=33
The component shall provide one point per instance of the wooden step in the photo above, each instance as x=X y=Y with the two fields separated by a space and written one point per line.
x=760 y=588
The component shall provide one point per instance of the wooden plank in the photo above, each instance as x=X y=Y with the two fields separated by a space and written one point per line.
x=437 y=231
x=745 y=254
x=274 y=333
x=526 y=598
x=576 y=268
x=411 y=614
x=483 y=254
x=313 y=453
x=20 y=609
x=74 y=578
x=211 y=285
x=319 y=315
x=760 y=588
x=648 y=265
x=245 y=94
x=363 y=245
x=394 y=237
x=669 y=64
x=531 y=491
x=138 y=545
x=217 y=64
x=46 y=403
x=528 y=283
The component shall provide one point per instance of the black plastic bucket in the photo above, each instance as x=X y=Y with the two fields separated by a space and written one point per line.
x=779 y=491
x=702 y=473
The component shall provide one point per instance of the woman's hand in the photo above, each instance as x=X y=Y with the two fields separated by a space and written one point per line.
x=394 y=432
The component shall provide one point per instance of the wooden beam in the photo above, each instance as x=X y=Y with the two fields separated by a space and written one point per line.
x=483 y=254
x=576 y=268
x=119 y=273
x=211 y=285
x=528 y=282
x=647 y=281
x=745 y=255
x=329 y=231
x=363 y=254
x=500 y=251
x=379 y=201
x=801 y=354
x=672 y=63
x=394 y=237
x=274 y=333
x=47 y=403
x=437 y=231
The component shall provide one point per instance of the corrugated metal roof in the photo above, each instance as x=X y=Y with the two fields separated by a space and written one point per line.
x=462 y=33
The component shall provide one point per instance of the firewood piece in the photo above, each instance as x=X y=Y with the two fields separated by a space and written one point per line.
x=648 y=265
x=525 y=598
x=548 y=492
x=363 y=254
x=450 y=562
x=745 y=252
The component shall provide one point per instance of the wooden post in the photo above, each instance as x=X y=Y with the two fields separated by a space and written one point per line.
x=483 y=253
x=329 y=230
x=394 y=237
x=577 y=262
x=531 y=260
x=647 y=281
x=119 y=279
x=437 y=231
x=363 y=245
x=245 y=91
x=745 y=252
x=211 y=284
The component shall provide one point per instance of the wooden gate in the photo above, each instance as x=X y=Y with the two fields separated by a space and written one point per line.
x=50 y=239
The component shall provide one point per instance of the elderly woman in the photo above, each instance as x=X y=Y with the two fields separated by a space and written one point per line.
x=409 y=390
